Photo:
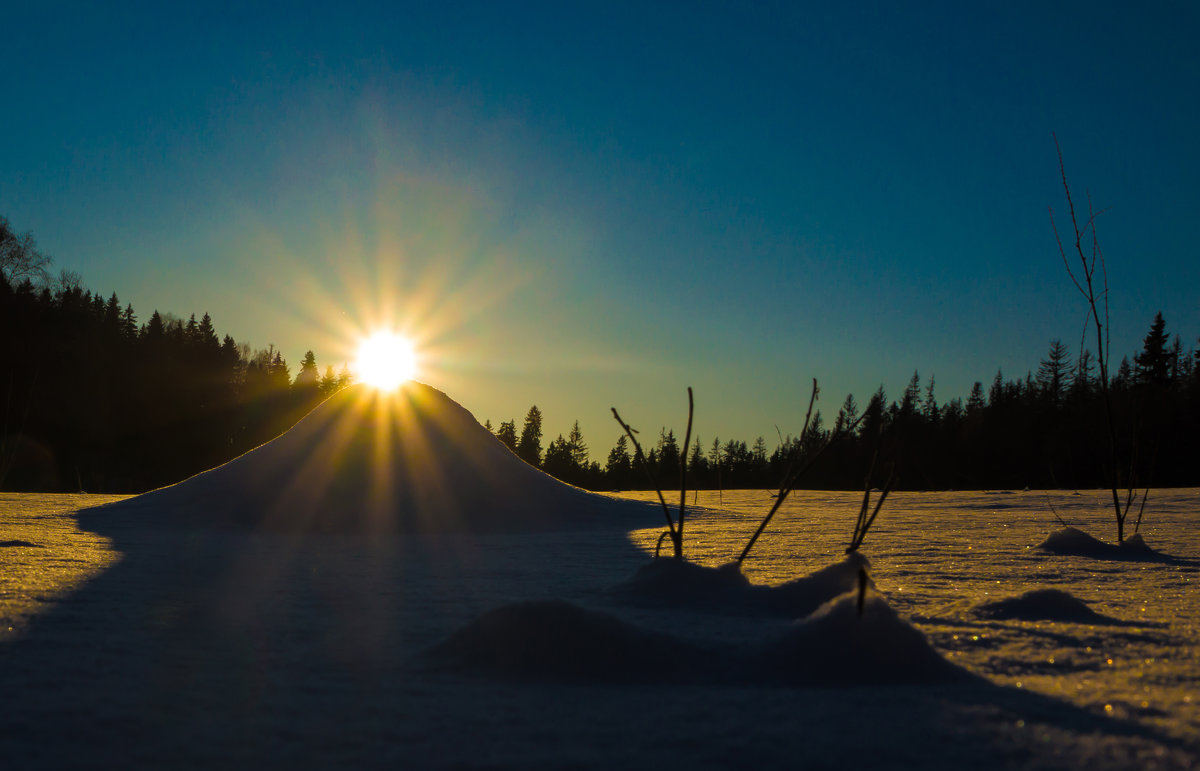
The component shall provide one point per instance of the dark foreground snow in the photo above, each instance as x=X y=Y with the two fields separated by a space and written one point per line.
x=152 y=647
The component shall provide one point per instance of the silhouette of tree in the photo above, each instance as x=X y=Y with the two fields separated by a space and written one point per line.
x=667 y=460
x=976 y=401
x=129 y=327
x=1053 y=372
x=558 y=462
x=1154 y=361
x=529 y=448
x=154 y=330
x=507 y=434
x=930 y=410
x=758 y=453
x=618 y=468
x=1180 y=364
x=280 y=377
x=998 y=393
x=874 y=417
x=697 y=466
x=20 y=259
x=577 y=447
x=847 y=414
x=329 y=383
x=307 y=379
x=910 y=402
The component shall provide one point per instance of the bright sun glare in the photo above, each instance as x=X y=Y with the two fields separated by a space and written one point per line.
x=385 y=360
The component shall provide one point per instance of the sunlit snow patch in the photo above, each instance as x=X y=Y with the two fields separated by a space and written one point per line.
x=681 y=584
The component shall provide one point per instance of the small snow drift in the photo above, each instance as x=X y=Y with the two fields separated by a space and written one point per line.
x=1075 y=542
x=668 y=582
x=368 y=461
x=835 y=646
x=1043 y=605
x=677 y=583
x=555 y=640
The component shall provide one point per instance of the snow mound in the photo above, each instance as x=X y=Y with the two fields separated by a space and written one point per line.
x=1073 y=541
x=556 y=640
x=672 y=582
x=836 y=646
x=364 y=461
x=1042 y=605
x=1135 y=544
x=680 y=584
x=553 y=640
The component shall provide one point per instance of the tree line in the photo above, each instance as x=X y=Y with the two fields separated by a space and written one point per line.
x=1045 y=430
x=96 y=400
x=93 y=399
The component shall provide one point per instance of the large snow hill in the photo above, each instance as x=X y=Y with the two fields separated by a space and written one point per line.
x=365 y=461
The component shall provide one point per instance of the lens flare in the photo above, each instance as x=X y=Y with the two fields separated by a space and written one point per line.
x=385 y=360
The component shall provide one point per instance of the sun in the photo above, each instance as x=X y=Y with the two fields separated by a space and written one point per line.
x=385 y=360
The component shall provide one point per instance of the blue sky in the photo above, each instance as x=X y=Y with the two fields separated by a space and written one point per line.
x=586 y=205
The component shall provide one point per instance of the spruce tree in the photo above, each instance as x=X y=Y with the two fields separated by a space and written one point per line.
x=558 y=462
x=1153 y=364
x=910 y=402
x=507 y=434
x=930 y=409
x=976 y=401
x=578 y=448
x=619 y=466
x=847 y=415
x=1053 y=371
x=328 y=382
x=667 y=467
x=529 y=448
x=696 y=458
x=308 y=379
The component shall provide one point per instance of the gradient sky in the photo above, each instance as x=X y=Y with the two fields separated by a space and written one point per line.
x=582 y=205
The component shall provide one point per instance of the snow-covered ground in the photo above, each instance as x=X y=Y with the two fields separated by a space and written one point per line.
x=152 y=647
x=345 y=597
x=945 y=560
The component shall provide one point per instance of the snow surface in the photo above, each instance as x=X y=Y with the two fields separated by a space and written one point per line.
x=235 y=638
